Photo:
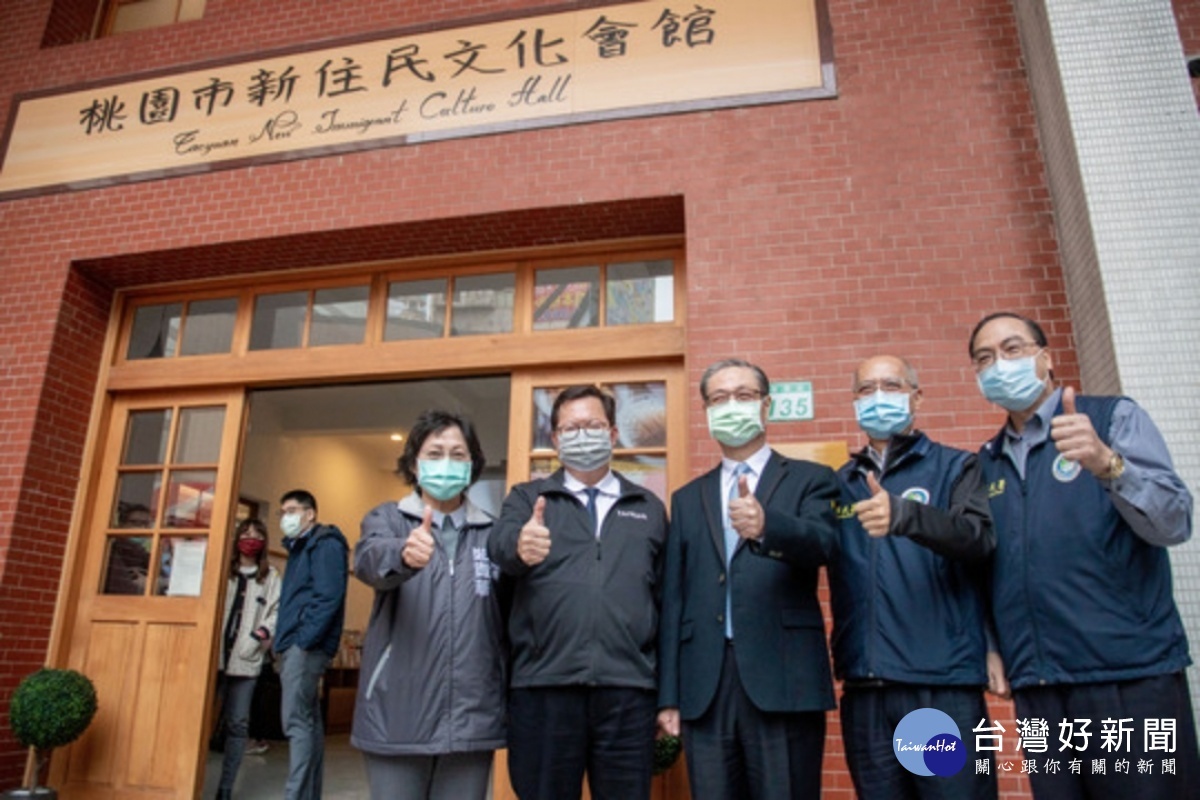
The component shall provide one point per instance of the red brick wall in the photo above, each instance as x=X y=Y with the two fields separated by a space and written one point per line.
x=890 y=218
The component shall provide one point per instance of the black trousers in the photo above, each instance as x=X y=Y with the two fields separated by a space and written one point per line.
x=557 y=734
x=869 y=720
x=737 y=752
x=1147 y=774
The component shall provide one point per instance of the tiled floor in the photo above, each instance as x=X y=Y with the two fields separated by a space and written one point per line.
x=262 y=777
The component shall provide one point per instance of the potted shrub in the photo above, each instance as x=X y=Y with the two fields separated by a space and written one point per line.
x=50 y=708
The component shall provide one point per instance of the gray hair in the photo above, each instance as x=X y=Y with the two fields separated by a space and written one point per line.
x=764 y=385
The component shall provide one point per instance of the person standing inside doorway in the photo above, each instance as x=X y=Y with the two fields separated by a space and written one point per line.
x=430 y=708
x=251 y=610
x=312 y=608
x=585 y=549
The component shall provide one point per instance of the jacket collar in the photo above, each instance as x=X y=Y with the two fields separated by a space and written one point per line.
x=412 y=506
x=901 y=448
x=556 y=484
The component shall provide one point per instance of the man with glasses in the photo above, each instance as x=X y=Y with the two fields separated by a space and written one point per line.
x=585 y=547
x=1085 y=502
x=744 y=665
x=312 y=605
x=906 y=589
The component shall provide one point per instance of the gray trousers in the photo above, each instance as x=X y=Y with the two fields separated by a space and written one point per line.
x=300 y=680
x=454 y=776
x=235 y=716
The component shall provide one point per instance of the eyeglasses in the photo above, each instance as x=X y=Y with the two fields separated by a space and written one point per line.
x=571 y=430
x=1009 y=349
x=283 y=512
x=891 y=386
x=740 y=395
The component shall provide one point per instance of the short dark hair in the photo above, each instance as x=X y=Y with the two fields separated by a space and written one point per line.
x=433 y=421
x=579 y=392
x=1035 y=330
x=764 y=385
x=302 y=497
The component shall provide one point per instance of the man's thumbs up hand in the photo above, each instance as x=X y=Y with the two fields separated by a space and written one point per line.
x=533 y=543
x=875 y=513
x=1076 y=438
x=745 y=513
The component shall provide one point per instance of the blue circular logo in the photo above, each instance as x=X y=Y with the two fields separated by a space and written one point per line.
x=917 y=495
x=1065 y=470
x=928 y=742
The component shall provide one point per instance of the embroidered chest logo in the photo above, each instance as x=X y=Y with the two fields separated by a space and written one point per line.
x=1065 y=470
x=917 y=495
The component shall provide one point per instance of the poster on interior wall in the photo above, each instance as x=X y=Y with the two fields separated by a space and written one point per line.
x=606 y=62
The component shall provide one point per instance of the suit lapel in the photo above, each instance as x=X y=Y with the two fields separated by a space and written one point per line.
x=773 y=475
x=710 y=499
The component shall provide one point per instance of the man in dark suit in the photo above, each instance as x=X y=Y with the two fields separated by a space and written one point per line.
x=743 y=664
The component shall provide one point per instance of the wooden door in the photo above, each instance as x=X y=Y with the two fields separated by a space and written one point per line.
x=145 y=580
x=651 y=451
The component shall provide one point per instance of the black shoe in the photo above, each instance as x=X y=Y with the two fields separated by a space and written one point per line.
x=224 y=794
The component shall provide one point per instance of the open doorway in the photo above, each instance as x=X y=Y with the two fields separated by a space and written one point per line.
x=342 y=443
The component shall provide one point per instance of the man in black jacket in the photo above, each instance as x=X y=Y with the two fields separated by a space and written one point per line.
x=585 y=548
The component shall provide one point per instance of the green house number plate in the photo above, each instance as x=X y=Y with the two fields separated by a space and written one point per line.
x=791 y=401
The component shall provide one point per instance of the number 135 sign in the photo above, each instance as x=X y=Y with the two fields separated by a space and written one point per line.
x=791 y=402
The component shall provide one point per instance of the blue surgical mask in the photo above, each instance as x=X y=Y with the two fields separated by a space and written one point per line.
x=587 y=450
x=883 y=414
x=291 y=524
x=443 y=478
x=1012 y=384
x=734 y=423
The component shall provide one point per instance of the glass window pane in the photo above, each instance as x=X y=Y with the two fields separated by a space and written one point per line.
x=209 y=327
x=640 y=292
x=483 y=304
x=278 y=320
x=155 y=331
x=199 y=435
x=416 y=310
x=339 y=316
x=180 y=565
x=190 y=499
x=146 y=437
x=641 y=414
x=543 y=404
x=136 y=505
x=127 y=564
x=566 y=298
x=649 y=472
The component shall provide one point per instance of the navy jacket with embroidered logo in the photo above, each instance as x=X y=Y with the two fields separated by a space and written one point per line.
x=1078 y=597
x=909 y=607
x=588 y=614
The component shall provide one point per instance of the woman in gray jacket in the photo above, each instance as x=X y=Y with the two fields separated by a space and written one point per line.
x=430 y=708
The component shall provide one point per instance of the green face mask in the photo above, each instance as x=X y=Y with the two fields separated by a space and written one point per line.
x=733 y=423
x=444 y=478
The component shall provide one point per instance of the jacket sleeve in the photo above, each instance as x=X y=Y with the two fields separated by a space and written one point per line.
x=502 y=544
x=808 y=533
x=329 y=591
x=1150 y=495
x=672 y=612
x=379 y=553
x=963 y=531
x=271 y=618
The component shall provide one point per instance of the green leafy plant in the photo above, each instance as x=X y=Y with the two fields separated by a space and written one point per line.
x=666 y=753
x=51 y=708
